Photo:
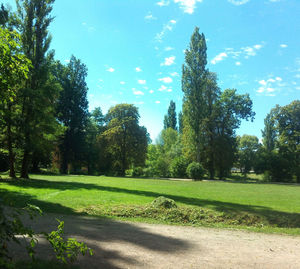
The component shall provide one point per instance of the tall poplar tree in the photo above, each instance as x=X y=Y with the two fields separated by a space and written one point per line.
x=193 y=85
x=40 y=92
x=170 y=120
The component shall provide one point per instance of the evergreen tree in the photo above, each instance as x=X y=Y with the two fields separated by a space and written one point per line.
x=170 y=120
x=72 y=113
x=180 y=122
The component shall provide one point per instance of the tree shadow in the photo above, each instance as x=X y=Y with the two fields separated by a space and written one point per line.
x=94 y=231
x=274 y=217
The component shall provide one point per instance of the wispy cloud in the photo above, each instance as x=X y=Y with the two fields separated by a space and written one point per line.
x=166 y=28
x=157 y=102
x=244 y=52
x=238 y=2
x=122 y=82
x=174 y=74
x=168 y=48
x=270 y=86
x=188 y=6
x=138 y=69
x=135 y=92
x=89 y=28
x=237 y=63
x=166 y=80
x=168 y=61
x=283 y=45
x=150 y=17
x=220 y=57
x=110 y=69
x=151 y=91
x=142 y=81
x=163 y=3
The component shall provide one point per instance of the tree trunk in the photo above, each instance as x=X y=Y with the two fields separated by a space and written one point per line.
x=12 y=172
x=25 y=164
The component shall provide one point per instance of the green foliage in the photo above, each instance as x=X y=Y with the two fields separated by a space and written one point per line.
x=66 y=250
x=195 y=171
x=125 y=141
x=72 y=112
x=247 y=152
x=178 y=167
x=11 y=227
x=163 y=202
x=170 y=120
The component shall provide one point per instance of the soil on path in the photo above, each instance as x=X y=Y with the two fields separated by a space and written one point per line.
x=119 y=244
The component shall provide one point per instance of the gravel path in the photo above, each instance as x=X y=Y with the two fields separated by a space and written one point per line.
x=136 y=245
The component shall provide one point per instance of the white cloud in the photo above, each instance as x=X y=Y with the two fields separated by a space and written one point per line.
x=188 y=6
x=238 y=2
x=283 y=45
x=167 y=27
x=138 y=69
x=149 y=17
x=270 y=86
x=135 y=92
x=237 y=63
x=157 y=102
x=166 y=80
x=163 y=3
x=174 y=74
x=122 y=82
x=221 y=56
x=162 y=88
x=142 y=81
x=168 y=48
x=258 y=46
x=168 y=61
x=151 y=91
x=110 y=69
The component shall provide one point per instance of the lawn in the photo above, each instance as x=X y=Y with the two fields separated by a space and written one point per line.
x=254 y=206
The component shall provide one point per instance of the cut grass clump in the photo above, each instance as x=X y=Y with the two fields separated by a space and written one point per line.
x=163 y=202
x=179 y=215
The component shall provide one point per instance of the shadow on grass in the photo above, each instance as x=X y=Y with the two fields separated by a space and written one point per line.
x=273 y=217
x=98 y=233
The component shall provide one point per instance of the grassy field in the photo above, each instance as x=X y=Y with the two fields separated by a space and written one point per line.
x=253 y=206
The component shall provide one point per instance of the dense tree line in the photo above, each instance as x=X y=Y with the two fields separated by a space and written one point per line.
x=45 y=121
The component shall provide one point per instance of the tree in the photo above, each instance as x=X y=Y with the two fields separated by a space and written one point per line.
x=248 y=146
x=230 y=109
x=126 y=141
x=72 y=112
x=289 y=136
x=180 y=122
x=93 y=130
x=170 y=120
x=270 y=132
x=40 y=91
x=193 y=85
x=14 y=67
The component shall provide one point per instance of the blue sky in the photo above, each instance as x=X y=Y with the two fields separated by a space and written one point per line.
x=134 y=50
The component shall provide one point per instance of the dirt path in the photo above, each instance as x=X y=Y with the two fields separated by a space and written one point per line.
x=136 y=245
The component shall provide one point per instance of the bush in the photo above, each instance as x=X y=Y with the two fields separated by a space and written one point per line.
x=137 y=172
x=178 y=167
x=163 y=202
x=195 y=171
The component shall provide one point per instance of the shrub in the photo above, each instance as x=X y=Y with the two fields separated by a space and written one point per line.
x=195 y=171
x=178 y=167
x=137 y=172
x=163 y=202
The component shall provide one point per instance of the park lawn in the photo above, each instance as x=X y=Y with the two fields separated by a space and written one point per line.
x=254 y=206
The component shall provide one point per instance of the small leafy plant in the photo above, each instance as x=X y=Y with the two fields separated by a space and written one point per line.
x=66 y=250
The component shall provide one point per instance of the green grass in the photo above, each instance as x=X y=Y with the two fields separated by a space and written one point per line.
x=254 y=206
